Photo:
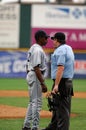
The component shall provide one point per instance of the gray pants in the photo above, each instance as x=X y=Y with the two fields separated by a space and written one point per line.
x=34 y=106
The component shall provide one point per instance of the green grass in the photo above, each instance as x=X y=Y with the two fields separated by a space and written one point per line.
x=13 y=84
x=14 y=101
x=11 y=124
x=20 y=102
x=79 y=85
x=16 y=124
x=78 y=123
x=78 y=105
x=20 y=84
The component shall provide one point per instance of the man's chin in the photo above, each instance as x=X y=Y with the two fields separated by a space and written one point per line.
x=44 y=44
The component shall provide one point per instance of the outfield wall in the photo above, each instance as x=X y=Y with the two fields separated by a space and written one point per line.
x=12 y=64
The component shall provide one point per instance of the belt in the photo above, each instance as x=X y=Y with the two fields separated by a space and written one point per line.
x=33 y=70
x=65 y=79
x=29 y=71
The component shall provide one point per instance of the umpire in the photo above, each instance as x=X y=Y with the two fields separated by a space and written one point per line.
x=62 y=71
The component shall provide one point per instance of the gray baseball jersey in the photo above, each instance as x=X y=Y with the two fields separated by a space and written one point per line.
x=36 y=56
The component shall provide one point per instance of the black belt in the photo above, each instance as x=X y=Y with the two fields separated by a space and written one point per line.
x=29 y=71
x=33 y=70
x=65 y=79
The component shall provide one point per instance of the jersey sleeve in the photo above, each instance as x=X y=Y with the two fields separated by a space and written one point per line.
x=60 y=58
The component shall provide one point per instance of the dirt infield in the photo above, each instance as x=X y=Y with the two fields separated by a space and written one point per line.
x=14 y=93
x=18 y=112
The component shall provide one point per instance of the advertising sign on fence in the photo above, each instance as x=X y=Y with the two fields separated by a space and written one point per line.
x=68 y=19
x=80 y=65
x=9 y=25
x=13 y=64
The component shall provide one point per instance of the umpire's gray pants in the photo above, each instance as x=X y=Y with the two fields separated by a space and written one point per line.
x=34 y=106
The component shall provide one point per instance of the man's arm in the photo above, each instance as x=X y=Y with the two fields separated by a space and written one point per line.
x=40 y=78
x=58 y=78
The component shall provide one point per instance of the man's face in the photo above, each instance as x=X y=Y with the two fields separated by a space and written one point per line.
x=43 y=41
x=55 y=43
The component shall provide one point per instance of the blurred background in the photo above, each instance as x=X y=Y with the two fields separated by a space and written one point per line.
x=20 y=19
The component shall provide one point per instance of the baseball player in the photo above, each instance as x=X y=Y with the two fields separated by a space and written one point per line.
x=62 y=71
x=36 y=69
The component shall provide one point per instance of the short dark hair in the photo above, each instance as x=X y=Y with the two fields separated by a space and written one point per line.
x=40 y=33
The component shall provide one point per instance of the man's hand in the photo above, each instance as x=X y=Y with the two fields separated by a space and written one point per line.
x=55 y=89
x=44 y=88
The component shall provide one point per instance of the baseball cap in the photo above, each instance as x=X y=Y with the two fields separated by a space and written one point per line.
x=59 y=36
x=41 y=33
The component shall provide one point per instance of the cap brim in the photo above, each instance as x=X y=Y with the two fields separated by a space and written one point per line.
x=52 y=38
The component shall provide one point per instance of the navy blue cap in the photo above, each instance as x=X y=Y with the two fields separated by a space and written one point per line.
x=41 y=33
x=59 y=36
